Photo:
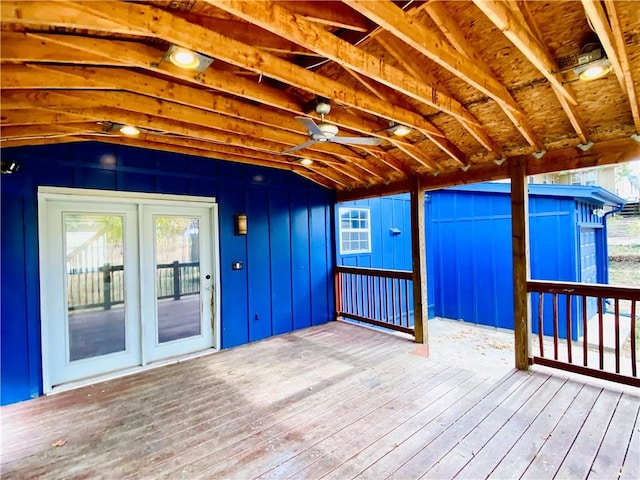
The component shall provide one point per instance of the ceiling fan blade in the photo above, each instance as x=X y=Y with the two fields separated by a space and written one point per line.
x=357 y=140
x=299 y=147
x=310 y=125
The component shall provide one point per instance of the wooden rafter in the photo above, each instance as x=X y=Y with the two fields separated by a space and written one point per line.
x=405 y=56
x=412 y=32
x=148 y=20
x=513 y=23
x=623 y=56
x=598 y=18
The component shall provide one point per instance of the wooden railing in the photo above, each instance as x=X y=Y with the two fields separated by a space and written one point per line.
x=578 y=327
x=104 y=287
x=375 y=296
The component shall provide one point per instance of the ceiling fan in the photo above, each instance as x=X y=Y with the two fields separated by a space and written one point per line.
x=326 y=132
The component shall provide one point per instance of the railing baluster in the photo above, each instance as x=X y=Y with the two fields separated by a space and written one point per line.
x=601 y=332
x=617 y=332
x=406 y=296
x=569 y=333
x=585 y=337
x=541 y=322
x=555 y=326
x=369 y=291
x=633 y=339
x=600 y=293
x=393 y=300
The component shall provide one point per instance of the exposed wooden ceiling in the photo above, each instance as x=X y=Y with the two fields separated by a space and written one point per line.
x=479 y=83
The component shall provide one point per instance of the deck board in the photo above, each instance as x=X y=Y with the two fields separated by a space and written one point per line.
x=334 y=401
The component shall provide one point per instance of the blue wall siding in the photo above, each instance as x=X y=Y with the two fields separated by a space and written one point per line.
x=469 y=252
x=287 y=281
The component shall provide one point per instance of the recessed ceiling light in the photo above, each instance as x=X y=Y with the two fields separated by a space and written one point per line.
x=183 y=58
x=399 y=130
x=596 y=70
x=129 y=130
x=306 y=161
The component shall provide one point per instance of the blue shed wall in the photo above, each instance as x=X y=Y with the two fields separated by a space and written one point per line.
x=469 y=251
x=287 y=281
x=388 y=250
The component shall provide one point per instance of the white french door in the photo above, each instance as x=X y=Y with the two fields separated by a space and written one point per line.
x=124 y=283
x=176 y=280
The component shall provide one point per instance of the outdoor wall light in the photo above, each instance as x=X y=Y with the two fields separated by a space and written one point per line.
x=9 y=166
x=241 y=224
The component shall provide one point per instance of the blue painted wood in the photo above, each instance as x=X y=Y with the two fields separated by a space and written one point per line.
x=468 y=239
x=280 y=216
x=258 y=264
x=280 y=253
x=300 y=265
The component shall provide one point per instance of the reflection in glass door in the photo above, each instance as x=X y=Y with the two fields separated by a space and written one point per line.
x=89 y=285
x=177 y=303
x=95 y=273
x=123 y=283
x=177 y=242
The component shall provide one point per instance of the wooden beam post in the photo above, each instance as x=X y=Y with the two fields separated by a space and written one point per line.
x=520 y=240
x=418 y=255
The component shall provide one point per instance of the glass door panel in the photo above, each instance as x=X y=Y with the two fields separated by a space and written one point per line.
x=177 y=304
x=95 y=272
x=177 y=242
x=90 y=290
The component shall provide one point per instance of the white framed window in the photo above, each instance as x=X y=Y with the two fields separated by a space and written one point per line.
x=355 y=230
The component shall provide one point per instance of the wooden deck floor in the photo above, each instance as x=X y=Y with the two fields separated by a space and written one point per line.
x=334 y=401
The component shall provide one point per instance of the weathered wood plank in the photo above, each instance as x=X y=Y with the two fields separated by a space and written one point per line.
x=559 y=441
x=577 y=463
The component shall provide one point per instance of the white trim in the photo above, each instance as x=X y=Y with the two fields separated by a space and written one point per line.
x=129 y=371
x=138 y=200
x=359 y=230
x=115 y=196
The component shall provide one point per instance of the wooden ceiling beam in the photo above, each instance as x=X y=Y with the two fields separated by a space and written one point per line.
x=570 y=158
x=623 y=56
x=532 y=48
x=13 y=143
x=37 y=116
x=21 y=132
x=598 y=18
x=411 y=31
x=520 y=24
x=169 y=110
x=330 y=13
x=160 y=24
x=143 y=57
x=276 y=18
x=407 y=57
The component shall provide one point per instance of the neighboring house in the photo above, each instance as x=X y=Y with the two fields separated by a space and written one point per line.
x=468 y=238
x=623 y=180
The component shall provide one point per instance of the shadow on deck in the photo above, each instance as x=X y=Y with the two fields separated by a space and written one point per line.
x=333 y=401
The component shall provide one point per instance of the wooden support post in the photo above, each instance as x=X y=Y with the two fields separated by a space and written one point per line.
x=520 y=240
x=418 y=254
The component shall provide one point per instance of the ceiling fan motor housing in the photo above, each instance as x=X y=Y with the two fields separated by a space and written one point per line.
x=328 y=131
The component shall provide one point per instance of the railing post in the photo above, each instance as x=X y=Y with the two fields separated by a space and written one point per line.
x=418 y=252
x=106 y=286
x=176 y=280
x=520 y=241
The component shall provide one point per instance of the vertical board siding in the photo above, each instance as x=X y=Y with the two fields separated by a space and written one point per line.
x=469 y=251
x=258 y=264
x=287 y=254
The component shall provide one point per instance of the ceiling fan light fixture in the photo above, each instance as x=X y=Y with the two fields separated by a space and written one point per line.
x=129 y=130
x=188 y=59
x=398 y=130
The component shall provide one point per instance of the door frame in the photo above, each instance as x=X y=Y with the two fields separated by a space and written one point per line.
x=47 y=194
